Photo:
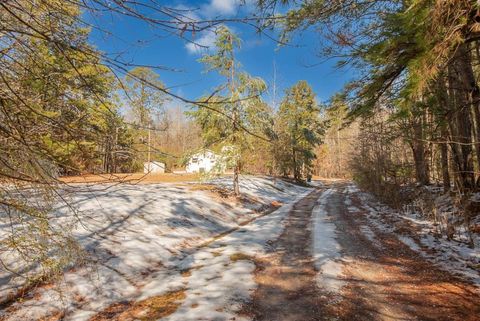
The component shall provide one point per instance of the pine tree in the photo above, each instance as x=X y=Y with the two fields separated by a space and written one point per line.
x=145 y=108
x=56 y=114
x=236 y=114
x=402 y=56
x=299 y=130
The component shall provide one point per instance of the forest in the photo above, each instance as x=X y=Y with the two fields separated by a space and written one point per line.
x=405 y=127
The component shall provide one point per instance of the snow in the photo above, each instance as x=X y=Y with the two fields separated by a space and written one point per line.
x=370 y=235
x=326 y=250
x=450 y=255
x=475 y=197
x=217 y=284
x=409 y=242
x=140 y=238
x=348 y=201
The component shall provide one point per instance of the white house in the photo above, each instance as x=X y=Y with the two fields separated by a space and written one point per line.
x=203 y=162
x=153 y=167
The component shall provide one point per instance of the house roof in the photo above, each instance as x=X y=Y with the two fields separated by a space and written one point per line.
x=202 y=152
x=155 y=162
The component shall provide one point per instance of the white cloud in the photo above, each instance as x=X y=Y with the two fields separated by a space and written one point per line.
x=210 y=10
x=188 y=14
x=224 y=7
x=206 y=41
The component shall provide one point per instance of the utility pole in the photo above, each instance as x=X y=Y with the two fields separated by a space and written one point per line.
x=274 y=103
x=236 y=168
x=149 y=151
x=115 y=151
x=339 y=153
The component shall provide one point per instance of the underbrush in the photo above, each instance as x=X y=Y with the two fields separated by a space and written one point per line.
x=455 y=216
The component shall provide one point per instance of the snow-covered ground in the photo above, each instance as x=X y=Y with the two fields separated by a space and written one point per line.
x=421 y=236
x=326 y=250
x=222 y=279
x=142 y=237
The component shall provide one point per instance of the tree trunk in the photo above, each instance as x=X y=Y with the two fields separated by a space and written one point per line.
x=236 y=168
x=460 y=123
x=418 y=148
x=444 y=158
x=295 y=165
x=236 y=172
x=469 y=98
x=442 y=120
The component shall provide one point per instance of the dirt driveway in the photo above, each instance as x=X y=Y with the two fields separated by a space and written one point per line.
x=383 y=279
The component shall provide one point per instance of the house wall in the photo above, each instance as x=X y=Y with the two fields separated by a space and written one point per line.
x=204 y=163
x=153 y=167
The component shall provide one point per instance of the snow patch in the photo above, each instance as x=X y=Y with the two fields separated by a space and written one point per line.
x=141 y=238
x=370 y=235
x=326 y=250
x=219 y=282
x=409 y=242
x=453 y=256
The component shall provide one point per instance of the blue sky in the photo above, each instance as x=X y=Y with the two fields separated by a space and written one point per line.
x=142 y=44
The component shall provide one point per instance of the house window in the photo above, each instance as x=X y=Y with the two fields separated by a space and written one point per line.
x=194 y=160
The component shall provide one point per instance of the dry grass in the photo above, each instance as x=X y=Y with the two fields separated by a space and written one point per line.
x=186 y=273
x=133 y=178
x=328 y=179
x=240 y=256
x=54 y=317
x=215 y=190
x=276 y=204
x=153 y=308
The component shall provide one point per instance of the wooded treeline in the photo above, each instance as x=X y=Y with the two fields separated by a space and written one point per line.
x=410 y=115
x=67 y=108
x=416 y=94
x=252 y=136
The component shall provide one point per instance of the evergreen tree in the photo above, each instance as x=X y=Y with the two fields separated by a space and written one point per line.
x=145 y=103
x=145 y=108
x=418 y=58
x=236 y=114
x=299 y=129
x=57 y=112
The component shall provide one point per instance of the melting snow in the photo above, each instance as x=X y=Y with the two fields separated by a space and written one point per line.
x=450 y=255
x=326 y=250
x=409 y=242
x=219 y=283
x=142 y=236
